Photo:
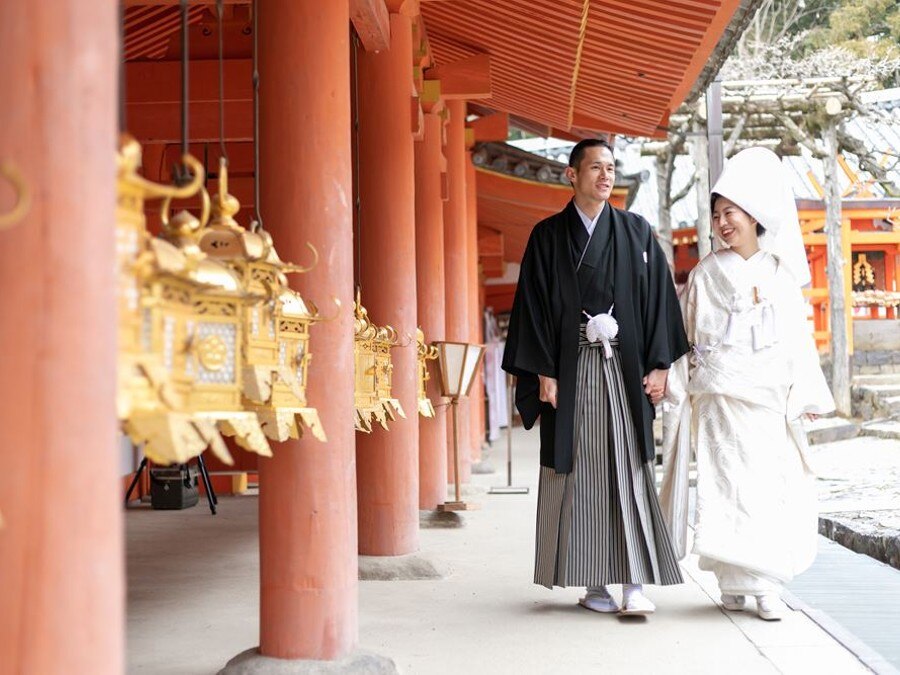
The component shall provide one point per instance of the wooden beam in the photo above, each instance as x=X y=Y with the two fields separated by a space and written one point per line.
x=372 y=23
x=161 y=122
x=468 y=78
x=857 y=237
x=174 y=3
x=160 y=82
x=491 y=127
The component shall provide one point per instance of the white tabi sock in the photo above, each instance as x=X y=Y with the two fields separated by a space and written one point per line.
x=628 y=589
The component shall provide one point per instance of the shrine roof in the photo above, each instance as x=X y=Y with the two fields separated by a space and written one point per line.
x=620 y=66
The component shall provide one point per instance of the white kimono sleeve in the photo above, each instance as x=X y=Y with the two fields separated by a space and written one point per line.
x=677 y=446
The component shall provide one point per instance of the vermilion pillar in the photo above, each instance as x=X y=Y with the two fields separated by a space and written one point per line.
x=61 y=562
x=388 y=461
x=456 y=263
x=476 y=397
x=307 y=500
x=430 y=292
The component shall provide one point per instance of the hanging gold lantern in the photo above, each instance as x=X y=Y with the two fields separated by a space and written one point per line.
x=276 y=356
x=372 y=353
x=366 y=392
x=195 y=306
x=149 y=414
x=425 y=353
x=389 y=407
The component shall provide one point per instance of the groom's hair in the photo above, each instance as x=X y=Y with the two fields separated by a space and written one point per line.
x=760 y=229
x=577 y=153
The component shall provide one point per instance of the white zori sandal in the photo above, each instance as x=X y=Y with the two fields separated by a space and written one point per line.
x=733 y=603
x=635 y=603
x=599 y=600
x=769 y=607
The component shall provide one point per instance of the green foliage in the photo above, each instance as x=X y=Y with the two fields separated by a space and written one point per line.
x=866 y=28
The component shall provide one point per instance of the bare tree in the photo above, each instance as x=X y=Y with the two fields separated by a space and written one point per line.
x=665 y=153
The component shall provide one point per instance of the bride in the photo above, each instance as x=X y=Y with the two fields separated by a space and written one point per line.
x=736 y=400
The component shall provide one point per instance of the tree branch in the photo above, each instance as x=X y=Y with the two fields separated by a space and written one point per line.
x=799 y=135
x=735 y=134
x=683 y=192
x=867 y=161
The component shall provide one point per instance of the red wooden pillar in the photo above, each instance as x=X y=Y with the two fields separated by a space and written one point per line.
x=61 y=545
x=430 y=303
x=307 y=501
x=387 y=461
x=476 y=398
x=456 y=269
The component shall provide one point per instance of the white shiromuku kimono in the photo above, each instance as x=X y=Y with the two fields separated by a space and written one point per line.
x=736 y=400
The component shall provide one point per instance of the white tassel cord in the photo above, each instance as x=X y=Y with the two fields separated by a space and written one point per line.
x=602 y=328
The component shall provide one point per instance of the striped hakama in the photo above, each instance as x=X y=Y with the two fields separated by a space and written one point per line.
x=601 y=524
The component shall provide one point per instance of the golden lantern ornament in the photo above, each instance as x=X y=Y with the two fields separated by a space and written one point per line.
x=150 y=414
x=425 y=353
x=372 y=355
x=276 y=356
x=389 y=407
x=365 y=391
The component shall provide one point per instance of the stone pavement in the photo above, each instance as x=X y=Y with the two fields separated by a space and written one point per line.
x=859 y=495
x=193 y=603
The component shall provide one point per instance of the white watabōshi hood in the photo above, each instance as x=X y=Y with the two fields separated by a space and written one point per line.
x=756 y=180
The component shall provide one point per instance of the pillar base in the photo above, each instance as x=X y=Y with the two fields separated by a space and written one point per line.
x=251 y=662
x=434 y=520
x=412 y=567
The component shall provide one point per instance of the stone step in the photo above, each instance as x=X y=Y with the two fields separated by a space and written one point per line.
x=882 y=429
x=874 y=401
x=893 y=370
x=893 y=403
x=830 y=429
x=879 y=379
x=885 y=390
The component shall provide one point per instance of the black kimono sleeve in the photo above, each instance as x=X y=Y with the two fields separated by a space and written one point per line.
x=532 y=341
x=664 y=338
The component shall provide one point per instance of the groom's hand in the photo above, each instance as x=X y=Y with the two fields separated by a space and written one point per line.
x=655 y=385
x=548 y=390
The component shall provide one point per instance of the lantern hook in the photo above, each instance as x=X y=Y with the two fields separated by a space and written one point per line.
x=297 y=269
x=337 y=312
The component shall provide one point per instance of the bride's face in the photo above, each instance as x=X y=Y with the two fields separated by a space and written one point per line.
x=733 y=225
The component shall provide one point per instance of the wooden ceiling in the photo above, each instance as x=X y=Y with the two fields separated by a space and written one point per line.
x=615 y=66
x=618 y=65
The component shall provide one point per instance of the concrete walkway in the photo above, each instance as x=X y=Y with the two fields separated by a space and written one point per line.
x=193 y=603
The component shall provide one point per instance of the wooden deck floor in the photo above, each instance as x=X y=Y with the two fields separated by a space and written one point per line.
x=857 y=600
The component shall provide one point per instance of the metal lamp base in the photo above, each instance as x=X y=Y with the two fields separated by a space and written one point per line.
x=457 y=506
x=508 y=490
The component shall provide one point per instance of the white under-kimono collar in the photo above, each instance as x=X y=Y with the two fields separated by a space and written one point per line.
x=756 y=180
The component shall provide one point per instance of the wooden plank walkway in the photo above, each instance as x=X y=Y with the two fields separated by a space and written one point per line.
x=857 y=600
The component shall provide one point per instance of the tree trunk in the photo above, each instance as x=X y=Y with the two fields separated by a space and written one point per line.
x=700 y=148
x=664 y=226
x=840 y=357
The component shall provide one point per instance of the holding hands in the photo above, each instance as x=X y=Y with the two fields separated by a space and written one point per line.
x=655 y=385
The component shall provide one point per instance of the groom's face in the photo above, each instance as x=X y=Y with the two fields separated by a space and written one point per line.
x=595 y=175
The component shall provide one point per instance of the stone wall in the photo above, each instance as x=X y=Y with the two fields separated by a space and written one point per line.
x=876 y=335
